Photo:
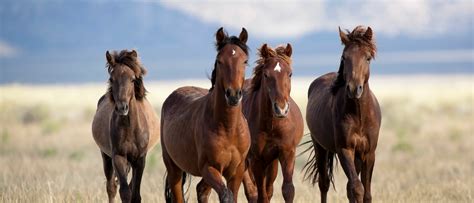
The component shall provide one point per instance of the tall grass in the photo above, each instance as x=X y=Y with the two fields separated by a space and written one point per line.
x=425 y=151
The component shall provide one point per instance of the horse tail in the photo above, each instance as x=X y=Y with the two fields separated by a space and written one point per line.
x=312 y=169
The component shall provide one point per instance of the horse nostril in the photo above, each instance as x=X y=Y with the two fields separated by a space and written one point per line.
x=239 y=93
x=227 y=92
x=359 y=87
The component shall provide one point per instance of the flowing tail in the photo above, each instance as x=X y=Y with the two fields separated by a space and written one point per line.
x=312 y=168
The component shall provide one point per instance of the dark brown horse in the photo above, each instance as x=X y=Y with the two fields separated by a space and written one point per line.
x=125 y=126
x=275 y=122
x=204 y=132
x=344 y=118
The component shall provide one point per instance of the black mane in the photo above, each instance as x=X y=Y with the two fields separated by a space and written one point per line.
x=227 y=40
x=339 y=82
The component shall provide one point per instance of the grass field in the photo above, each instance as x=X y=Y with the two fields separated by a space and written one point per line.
x=425 y=151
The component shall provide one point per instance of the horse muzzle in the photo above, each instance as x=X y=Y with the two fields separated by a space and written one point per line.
x=281 y=112
x=233 y=97
x=355 y=93
x=121 y=108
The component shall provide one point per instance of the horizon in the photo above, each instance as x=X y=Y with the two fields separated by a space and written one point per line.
x=65 y=42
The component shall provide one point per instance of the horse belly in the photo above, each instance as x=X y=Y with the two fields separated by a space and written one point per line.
x=101 y=127
x=181 y=148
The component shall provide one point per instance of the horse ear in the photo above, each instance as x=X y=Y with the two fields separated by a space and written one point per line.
x=110 y=59
x=368 y=34
x=134 y=53
x=344 y=39
x=243 y=35
x=264 y=51
x=220 y=35
x=288 y=50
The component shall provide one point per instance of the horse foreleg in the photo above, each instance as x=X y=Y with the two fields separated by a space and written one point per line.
x=367 y=169
x=355 y=189
x=234 y=182
x=213 y=177
x=203 y=190
x=110 y=176
x=249 y=187
x=121 y=165
x=271 y=174
x=138 y=168
x=287 y=161
x=258 y=169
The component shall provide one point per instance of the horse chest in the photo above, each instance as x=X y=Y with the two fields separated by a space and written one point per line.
x=132 y=144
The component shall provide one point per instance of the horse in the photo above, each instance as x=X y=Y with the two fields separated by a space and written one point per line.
x=125 y=126
x=275 y=122
x=344 y=117
x=204 y=132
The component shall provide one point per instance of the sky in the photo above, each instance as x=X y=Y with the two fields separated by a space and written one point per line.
x=59 y=41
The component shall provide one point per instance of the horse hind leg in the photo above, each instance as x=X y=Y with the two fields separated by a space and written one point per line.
x=322 y=161
x=173 y=186
x=111 y=184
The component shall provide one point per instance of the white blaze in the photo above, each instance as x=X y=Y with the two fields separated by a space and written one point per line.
x=233 y=52
x=277 y=67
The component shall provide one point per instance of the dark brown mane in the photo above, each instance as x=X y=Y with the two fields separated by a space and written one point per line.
x=356 y=37
x=227 y=40
x=129 y=59
x=258 y=70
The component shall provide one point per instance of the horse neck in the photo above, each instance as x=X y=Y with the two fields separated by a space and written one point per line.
x=221 y=112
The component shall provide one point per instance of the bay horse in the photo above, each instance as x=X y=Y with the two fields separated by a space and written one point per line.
x=275 y=122
x=344 y=118
x=204 y=132
x=125 y=125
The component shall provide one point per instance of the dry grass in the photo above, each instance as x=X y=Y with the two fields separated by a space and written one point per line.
x=425 y=151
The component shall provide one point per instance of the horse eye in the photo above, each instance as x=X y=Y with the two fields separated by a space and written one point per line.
x=266 y=76
x=246 y=62
x=368 y=59
x=291 y=74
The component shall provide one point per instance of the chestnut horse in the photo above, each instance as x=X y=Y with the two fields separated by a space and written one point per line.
x=125 y=126
x=344 y=118
x=275 y=122
x=204 y=132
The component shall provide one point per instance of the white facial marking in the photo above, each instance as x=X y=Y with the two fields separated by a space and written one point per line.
x=233 y=52
x=277 y=67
